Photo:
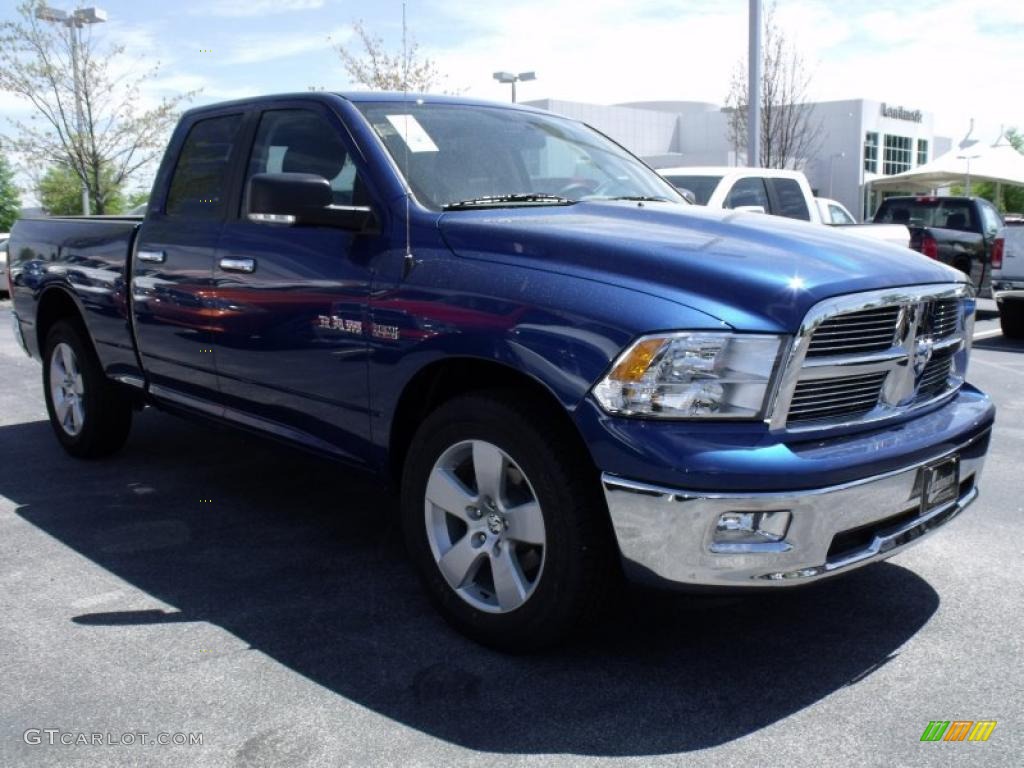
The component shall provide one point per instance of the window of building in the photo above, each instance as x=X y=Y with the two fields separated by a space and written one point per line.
x=898 y=154
x=871 y=152
x=200 y=178
x=922 y=151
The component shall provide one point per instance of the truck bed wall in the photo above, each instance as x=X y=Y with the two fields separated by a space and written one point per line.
x=87 y=258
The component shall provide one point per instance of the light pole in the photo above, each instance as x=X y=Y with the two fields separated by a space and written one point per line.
x=754 y=87
x=508 y=77
x=831 y=161
x=968 y=158
x=74 y=21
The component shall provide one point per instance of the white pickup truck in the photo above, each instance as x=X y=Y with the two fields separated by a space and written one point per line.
x=772 y=191
x=1008 y=279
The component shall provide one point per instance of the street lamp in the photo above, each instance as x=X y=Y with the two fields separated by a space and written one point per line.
x=508 y=77
x=968 y=158
x=74 y=21
x=831 y=161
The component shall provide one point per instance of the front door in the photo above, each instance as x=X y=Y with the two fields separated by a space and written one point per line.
x=291 y=340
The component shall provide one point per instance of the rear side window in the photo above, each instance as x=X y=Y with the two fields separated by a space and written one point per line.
x=199 y=185
x=748 y=191
x=790 y=199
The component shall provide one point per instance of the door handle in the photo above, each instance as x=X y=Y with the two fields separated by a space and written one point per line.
x=229 y=264
x=156 y=257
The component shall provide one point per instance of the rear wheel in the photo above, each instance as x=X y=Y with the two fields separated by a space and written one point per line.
x=89 y=414
x=1011 y=318
x=505 y=523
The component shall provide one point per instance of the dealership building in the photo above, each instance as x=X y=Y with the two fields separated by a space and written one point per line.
x=860 y=140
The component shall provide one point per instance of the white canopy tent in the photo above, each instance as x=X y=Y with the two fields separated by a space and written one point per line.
x=999 y=164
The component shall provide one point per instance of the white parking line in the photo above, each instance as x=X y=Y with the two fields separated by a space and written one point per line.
x=987 y=334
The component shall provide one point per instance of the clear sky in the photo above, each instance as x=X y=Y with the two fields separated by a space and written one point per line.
x=956 y=58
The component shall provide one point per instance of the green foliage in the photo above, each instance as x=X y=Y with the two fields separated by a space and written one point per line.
x=10 y=201
x=60 y=192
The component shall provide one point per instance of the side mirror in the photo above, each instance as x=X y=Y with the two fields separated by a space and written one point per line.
x=304 y=198
x=687 y=195
x=750 y=208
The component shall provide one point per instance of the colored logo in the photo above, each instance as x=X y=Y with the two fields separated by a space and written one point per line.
x=958 y=730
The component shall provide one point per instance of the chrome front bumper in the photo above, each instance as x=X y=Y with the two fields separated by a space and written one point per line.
x=666 y=536
x=1007 y=289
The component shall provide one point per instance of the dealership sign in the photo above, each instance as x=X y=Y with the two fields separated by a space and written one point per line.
x=899 y=113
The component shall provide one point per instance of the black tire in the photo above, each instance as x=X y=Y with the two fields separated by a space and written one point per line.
x=106 y=411
x=580 y=566
x=1011 y=318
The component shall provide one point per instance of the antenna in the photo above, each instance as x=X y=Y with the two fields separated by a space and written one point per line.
x=410 y=260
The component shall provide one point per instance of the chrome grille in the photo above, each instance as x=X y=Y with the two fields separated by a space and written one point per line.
x=828 y=399
x=943 y=316
x=865 y=357
x=869 y=330
x=935 y=376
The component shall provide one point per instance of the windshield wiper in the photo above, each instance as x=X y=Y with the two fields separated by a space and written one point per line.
x=637 y=198
x=497 y=201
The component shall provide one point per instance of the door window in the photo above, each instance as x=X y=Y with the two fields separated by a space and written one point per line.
x=991 y=220
x=748 y=191
x=790 y=199
x=303 y=141
x=199 y=184
x=839 y=216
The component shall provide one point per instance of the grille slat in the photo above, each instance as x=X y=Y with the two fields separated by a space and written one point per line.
x=845 y=396
x=869 y=330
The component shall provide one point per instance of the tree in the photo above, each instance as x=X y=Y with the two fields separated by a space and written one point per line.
x=116 y=137
x=790 y=133
x=60 y=192
x=10 y=201
x=379 y=70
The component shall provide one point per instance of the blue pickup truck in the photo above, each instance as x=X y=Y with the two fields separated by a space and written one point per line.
x=570 y=374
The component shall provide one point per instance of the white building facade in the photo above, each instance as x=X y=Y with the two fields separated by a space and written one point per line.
x=860 y=139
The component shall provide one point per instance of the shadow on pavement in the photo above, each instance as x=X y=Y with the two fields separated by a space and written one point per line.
x=302 y=561
x=1000 y=343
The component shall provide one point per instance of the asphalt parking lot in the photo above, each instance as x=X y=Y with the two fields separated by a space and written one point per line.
x=203 y=582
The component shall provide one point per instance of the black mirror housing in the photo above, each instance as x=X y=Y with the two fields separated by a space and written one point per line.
x=304 y=198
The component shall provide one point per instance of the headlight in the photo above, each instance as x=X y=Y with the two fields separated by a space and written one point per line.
x=692 y=375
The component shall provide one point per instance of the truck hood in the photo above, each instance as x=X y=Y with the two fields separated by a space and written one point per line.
x=751 y=271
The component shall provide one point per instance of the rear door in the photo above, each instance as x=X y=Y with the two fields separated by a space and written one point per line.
x=788 y=199
x=292 y=340
x=172 y=268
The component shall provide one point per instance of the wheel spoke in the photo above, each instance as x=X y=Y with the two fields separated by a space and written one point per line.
x=79 y=386
x=77 y=414
x=69 y=359
x=446 y=491
x=62 y=406
x=489 y=469
x=526 y=524
x=509 y=584
x=458 y=563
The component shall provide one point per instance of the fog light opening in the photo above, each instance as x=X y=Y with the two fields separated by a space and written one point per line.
x=751 y=527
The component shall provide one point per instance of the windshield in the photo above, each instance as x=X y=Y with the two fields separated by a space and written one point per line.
x=458 y=154
x=701 y=186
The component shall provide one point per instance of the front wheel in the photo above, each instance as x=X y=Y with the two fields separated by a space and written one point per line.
x=89 y=415
x=505 y=523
